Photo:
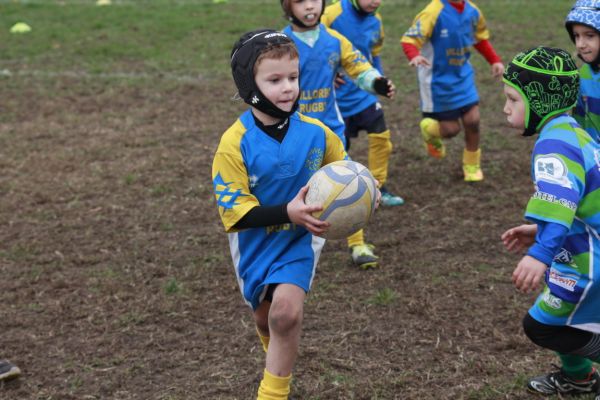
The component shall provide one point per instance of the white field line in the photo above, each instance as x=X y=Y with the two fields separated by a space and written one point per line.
x=7 y=73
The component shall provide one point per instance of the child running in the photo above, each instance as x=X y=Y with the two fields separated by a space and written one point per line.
x=541 y=86
x=438 y=44
x=323 y=52
x=361 y=24
x=583 y=25
x=260 y=171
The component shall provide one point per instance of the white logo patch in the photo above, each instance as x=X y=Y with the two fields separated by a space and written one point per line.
x=551 y=301
x=255 y=100
x=550 y=168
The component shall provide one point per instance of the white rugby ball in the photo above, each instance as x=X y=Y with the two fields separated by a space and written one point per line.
x=348 y=192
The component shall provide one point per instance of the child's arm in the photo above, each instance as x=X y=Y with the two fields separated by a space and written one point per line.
x=415 y=59
x=484 y=47
x=301 y=214
x=356 y=65
x=528 y=274
x=519 y=238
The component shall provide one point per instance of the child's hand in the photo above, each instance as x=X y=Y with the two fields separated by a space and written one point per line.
x=497 y=70
x=519 y=238
x=384 y=87
x=528 y=274
x=338 y=81
x=419 y=61
x=301 y=214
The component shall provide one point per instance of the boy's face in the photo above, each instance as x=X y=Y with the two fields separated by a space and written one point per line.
x=514 y=108
x=307 y=11
x=277 y=79
x=369 y=6
x=587 y=42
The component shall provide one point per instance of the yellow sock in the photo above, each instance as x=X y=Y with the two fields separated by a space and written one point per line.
x=432 y=127
x=356 y=239
x=274 y=387
x=471 y=157
x=380 y=148
x=263 y=339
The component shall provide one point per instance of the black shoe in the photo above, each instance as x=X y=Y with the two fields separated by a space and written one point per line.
x=8 y=370
x=558 y=382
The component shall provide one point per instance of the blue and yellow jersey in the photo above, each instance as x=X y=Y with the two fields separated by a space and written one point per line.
x=587 y=111
x=318 y=67
x=366 y=33
x=566 y=172
x=445 y=37
x=250 y=168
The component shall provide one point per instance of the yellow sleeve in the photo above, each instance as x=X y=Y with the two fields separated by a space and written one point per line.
x=422 y=27
x=481 y=32
x=352 y=60
x=331 y=13
x=376 y=50
x=230 y=178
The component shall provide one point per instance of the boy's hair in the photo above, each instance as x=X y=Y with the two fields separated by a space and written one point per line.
x=289 y=15
x=245 y=56
x=548 y=80
x=585 y=12
x=277 y=52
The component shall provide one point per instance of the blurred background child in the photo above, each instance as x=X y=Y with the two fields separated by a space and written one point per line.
x=438 y=44
x=583 y=25
x=361 y=24
x=323 y=52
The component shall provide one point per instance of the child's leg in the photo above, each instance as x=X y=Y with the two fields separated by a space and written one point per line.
x=285 y=323
x=472 y=152
x=362 y=253
x=576 y=349
x=434 y=130
x=470 y=122
x=261 y=318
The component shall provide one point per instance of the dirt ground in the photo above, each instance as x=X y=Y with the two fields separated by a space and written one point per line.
x=117 y=281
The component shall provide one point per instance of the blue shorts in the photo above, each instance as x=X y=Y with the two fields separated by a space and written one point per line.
x=370 y=119
x=450 y=115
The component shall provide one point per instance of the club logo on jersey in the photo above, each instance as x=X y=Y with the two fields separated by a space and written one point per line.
x=314 y=159
x=550 y=168
x=334 y=60
x=564 y=257
x=226 y=197
x=444 y=33
x=551 y=301
x=252 y=181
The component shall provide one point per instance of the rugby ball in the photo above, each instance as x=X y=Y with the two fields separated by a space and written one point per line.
x=348 y=193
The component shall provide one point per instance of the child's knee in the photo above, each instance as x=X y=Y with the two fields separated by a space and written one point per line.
x=285 y=316
x=449 y=129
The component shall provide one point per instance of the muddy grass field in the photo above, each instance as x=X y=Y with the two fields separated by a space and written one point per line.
x=116 y=277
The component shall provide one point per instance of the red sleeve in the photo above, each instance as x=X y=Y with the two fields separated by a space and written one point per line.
x=487 y=51
x=410 y=50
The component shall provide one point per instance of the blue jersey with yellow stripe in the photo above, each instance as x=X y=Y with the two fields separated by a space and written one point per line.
x=587 y=110
x=366 y=33
x=566 y=173
x=445 y=37
x=250 y=168
x=318 y=67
